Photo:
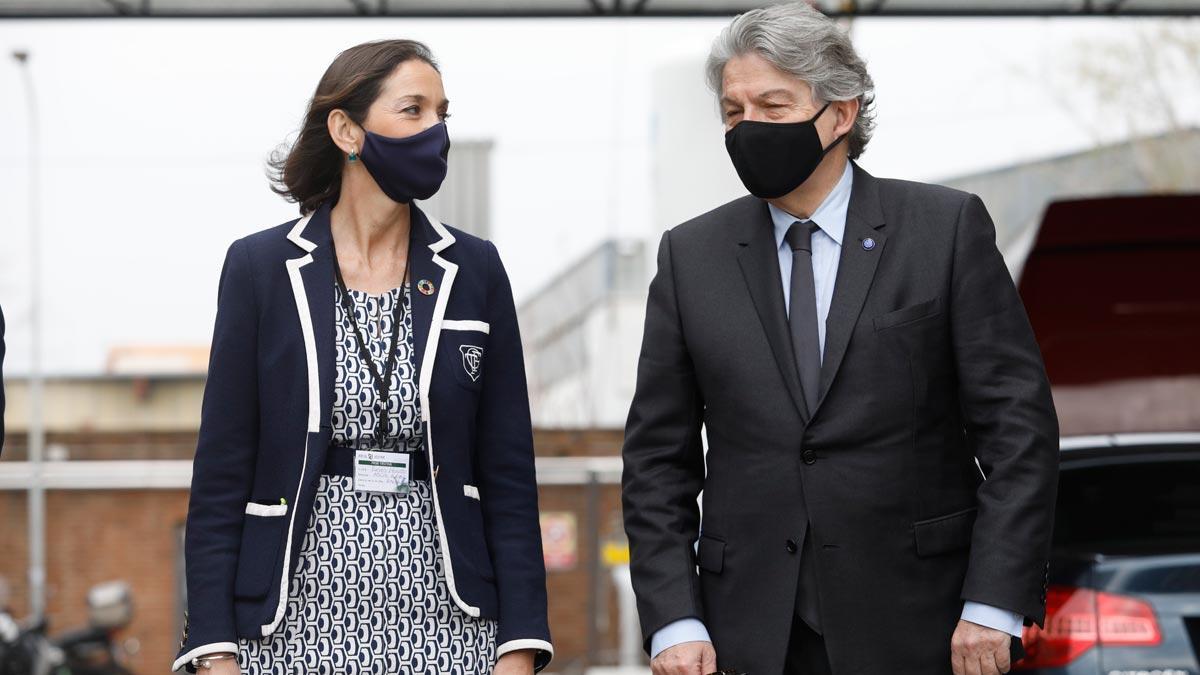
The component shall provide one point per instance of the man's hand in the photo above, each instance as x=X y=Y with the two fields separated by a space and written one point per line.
x=979 y=650
x=519 y=662
x=686 y=658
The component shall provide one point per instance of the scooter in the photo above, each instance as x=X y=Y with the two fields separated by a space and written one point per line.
x=25 y=648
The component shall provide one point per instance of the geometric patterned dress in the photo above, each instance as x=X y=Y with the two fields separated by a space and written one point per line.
x=369 y=594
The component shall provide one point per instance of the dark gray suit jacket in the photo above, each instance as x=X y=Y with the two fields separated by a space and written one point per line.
x=929 y=363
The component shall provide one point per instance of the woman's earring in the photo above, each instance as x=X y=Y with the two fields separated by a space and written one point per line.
x=353 y=156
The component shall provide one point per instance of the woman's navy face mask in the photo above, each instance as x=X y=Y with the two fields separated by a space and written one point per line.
x=408 y=168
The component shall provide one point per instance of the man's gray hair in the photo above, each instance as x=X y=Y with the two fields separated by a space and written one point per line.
x=800 y=40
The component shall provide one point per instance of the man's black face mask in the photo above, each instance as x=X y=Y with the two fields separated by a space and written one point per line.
x=774 y=158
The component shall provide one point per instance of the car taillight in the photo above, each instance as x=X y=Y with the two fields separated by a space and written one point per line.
x=1078 y=619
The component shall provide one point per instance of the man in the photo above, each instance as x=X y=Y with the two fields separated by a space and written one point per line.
x=851 y=345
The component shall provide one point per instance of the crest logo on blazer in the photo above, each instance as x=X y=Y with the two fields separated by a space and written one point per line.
x=472 y=359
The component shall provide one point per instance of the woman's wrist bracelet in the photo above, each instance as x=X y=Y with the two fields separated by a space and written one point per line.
x=206 y=660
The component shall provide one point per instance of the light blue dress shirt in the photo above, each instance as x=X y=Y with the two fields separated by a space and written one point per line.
x=830 y=216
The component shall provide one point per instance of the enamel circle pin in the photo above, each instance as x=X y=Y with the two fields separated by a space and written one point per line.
x=426 y=287
x=868 y=244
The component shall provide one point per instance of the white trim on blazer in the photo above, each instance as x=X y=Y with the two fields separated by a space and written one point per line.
x=295 y=235
x=514 y=645
x=481 y=326
x=266 y=510
x=427 y=361
x=204 y=650
x=314 y=400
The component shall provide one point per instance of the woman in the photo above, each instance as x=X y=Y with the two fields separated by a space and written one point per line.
x=363 y=496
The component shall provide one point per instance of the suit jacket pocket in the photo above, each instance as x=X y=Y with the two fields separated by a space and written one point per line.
x=921 y=310
x=710 y=554
x=465 y=350
x=944 y=534
x=262 y=536
x=476 y=557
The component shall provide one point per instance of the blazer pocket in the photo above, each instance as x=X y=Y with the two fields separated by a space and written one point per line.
x=483 y=570
x=710 y=554
x=262 y=537
x=466 y=351
x=267 y=510
x=474 y=555
x=467 y=324
x=945 y=533
x=921 y=310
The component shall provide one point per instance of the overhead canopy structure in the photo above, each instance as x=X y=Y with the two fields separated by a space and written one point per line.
x=576 y=8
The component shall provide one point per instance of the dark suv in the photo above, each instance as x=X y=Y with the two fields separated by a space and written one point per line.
x=1124 y=595
x=1112 y=287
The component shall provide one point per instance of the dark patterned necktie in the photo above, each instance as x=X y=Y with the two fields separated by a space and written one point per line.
x=802 y=312
x=802 y=320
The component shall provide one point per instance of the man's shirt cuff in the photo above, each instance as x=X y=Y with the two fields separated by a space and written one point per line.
x=678 y=632
x=992 y=617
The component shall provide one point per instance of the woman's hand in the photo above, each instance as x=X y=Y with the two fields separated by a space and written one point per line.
x=519 y=662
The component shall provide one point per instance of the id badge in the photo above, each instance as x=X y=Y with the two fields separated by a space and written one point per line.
x=376 y=471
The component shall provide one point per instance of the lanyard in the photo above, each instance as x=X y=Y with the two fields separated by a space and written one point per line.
x=382 y=379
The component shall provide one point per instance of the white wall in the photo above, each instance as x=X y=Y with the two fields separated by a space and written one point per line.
x=597 y=395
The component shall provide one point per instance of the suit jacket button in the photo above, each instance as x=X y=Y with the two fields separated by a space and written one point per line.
x=809 y=457
x=791 y=546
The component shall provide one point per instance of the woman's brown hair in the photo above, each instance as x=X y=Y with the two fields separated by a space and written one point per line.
x=310 y=172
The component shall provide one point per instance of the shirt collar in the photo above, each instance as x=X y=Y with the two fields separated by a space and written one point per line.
x=830 y=216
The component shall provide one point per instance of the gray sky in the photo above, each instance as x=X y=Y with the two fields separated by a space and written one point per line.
x=155 y=133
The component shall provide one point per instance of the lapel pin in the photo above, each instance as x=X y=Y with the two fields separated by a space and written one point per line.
x=426 y=287
x=868 y=244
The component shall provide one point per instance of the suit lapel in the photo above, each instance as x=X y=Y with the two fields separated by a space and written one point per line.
x=313 y=286
x=436 y=275
x=313 y=234
x=319 y=285
x=429 y=305
x=759 y=259
x=856 y=270
x=421 y=269
x=311 y=278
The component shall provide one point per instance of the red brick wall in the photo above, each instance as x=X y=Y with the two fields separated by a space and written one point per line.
x=577 y=442
x=569 y=589
x=103 y=535
x=93 y=536
x=109 y=445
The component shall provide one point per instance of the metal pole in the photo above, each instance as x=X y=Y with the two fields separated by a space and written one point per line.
x=630 y=632
x=592 y=493
x=37 y=437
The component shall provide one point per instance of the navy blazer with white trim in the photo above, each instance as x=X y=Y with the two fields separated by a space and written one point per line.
x=265 y=427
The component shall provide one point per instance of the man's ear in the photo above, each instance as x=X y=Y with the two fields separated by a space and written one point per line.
x=847 y=112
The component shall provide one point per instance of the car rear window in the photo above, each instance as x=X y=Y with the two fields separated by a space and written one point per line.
x=1135 y=508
